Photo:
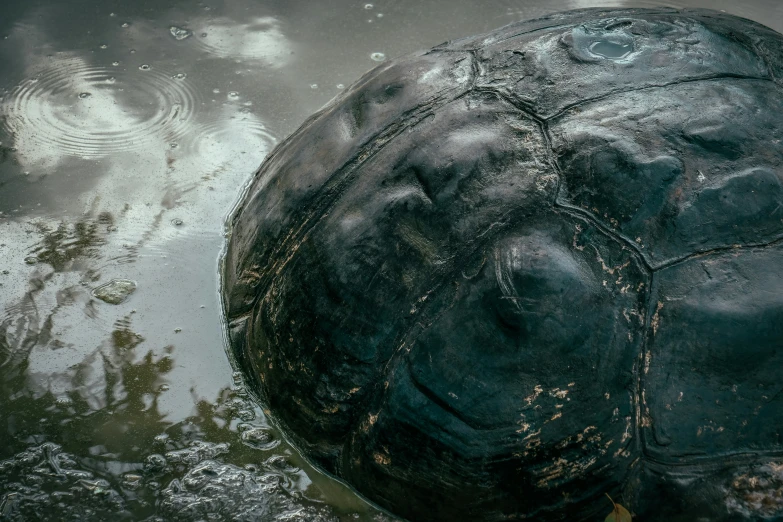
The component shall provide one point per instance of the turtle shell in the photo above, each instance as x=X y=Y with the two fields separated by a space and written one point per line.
x=501 y=278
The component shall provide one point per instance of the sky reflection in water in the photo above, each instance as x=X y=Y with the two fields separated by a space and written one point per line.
x=126 y=134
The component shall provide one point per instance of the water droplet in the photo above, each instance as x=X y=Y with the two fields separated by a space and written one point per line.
x=378 y=57
x=179 y=33
x=115 y=291
x=104 y=46
x=125 y=25
x=314 y=86
x=144 y=67
x=176 y=222
x=115 y=63
x=368 y=6
x=31 y=260
x=340 y=86
x=84 y=95
x=233 y=95
x=611 y=50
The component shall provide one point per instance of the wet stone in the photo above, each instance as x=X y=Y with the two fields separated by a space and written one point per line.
x=115 y=292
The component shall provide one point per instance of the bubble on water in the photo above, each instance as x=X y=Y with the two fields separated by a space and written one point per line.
x=313 y=85
x=198 y=451
x=340 y=86
x=179 y=33
x=164 y=387
x=177 y=330
x=180 y=76
x=368 y=6
x=259 y=438
x=104 y=46
x=125 y=25
x=378 y=57
x=84 y=95
x=233 y=95
x=113 y=15
x=131 y=481
x=64 y=401
x=31 y=260
x=203 y=35
x=174 y=145
x=144 y=67
x=379 y=15
x=115 y=64
x=216 y=91
x=176 y=222
x=115 y=291
x=133 y=51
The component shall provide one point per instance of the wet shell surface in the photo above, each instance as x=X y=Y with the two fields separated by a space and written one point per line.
x=501 y=278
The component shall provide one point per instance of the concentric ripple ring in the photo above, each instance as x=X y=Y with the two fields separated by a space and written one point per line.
x=76 y=109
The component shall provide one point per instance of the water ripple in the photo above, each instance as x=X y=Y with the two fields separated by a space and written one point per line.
x=76 y=109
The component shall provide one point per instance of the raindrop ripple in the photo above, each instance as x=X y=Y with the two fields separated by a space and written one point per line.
x=80 y=110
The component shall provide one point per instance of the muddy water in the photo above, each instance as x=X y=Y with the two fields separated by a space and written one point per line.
x=127 y=130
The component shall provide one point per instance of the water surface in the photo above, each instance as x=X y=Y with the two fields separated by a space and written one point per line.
x=127 y=130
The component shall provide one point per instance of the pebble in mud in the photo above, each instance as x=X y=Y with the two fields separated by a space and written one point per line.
x=115 y=291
